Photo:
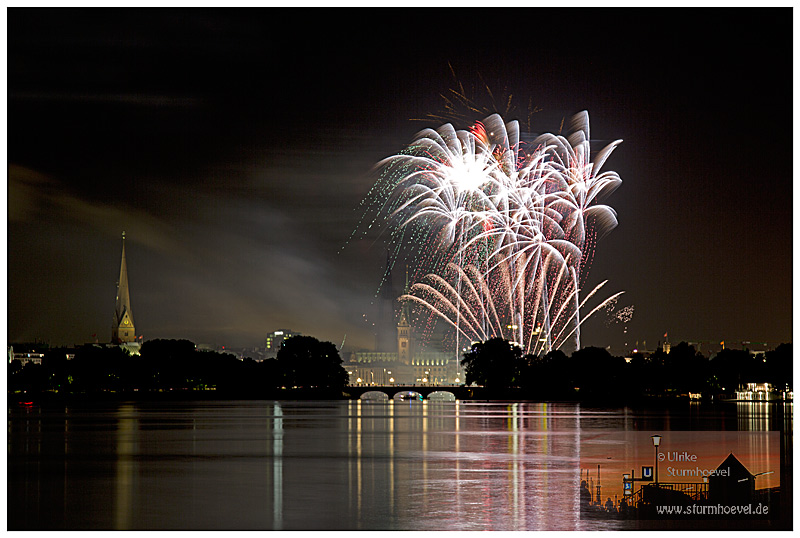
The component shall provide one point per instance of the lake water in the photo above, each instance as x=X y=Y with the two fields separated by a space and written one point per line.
x=340 y=465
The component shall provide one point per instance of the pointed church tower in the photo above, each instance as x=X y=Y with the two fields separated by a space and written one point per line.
x=122 y=330
x=404 y=331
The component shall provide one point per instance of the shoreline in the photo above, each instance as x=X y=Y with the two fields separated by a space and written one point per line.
x=24 y=399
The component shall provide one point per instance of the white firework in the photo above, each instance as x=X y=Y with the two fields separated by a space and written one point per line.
x=508 y=228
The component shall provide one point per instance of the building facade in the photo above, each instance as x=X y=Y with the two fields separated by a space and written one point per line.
x=275 y=340
x=408 y=365
x=25 y=355
x=429 y=368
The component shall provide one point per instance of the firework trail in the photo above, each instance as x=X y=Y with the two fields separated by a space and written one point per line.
x=463 y=105
x=500 y=237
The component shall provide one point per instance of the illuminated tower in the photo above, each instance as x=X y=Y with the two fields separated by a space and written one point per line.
x=122 y=330
x=275 y=341
x=404 y=332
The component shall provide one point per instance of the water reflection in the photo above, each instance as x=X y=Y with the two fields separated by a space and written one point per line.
x=127 y=429
x=385 y=465
x=277 y=467
x=464 y=466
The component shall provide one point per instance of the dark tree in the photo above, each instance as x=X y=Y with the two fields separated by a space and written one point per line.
x=778 y=366
x=655 y=372
x=97 y=368
x=494 y=364
x=734 y=367
x=686 y=370
x=172 y=363
x=597 y=372
x=270 y=372
x=57 y=367
x=29 y=378
x=308 y=363
x=550 y=375
x=168 y=350
x=637 y=376
x=14 y=367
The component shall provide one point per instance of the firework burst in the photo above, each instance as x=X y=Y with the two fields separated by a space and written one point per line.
x=499 y=237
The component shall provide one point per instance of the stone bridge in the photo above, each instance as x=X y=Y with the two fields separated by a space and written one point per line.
x=460 y=392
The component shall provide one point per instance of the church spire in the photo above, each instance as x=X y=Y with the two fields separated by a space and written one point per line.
x=122 y=329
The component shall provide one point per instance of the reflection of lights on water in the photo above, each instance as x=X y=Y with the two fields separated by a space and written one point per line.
x=516 y=476
x=391 y=454
x=277 y=467
x=358 y=457
x=127 y=433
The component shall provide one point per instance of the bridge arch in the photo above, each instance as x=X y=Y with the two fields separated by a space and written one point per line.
x=375 y=396
x=459 y=392
x=441 y=396
x=407 y=396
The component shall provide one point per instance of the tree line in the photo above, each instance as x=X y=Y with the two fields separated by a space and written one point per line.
x=589 y=372
x=303 y=362
x=306 y=363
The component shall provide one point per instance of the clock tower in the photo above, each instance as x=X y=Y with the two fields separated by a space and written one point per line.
x=122 y=329
x=404 y=331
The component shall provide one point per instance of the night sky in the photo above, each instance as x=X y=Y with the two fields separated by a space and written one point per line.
x=234 y=146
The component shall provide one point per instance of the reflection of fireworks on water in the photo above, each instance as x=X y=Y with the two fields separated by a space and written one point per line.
x=499 y=237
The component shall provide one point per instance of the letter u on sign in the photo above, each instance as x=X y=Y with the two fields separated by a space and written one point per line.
x=647 y=473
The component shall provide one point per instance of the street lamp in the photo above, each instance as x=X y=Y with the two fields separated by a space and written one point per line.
x=656 y=442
